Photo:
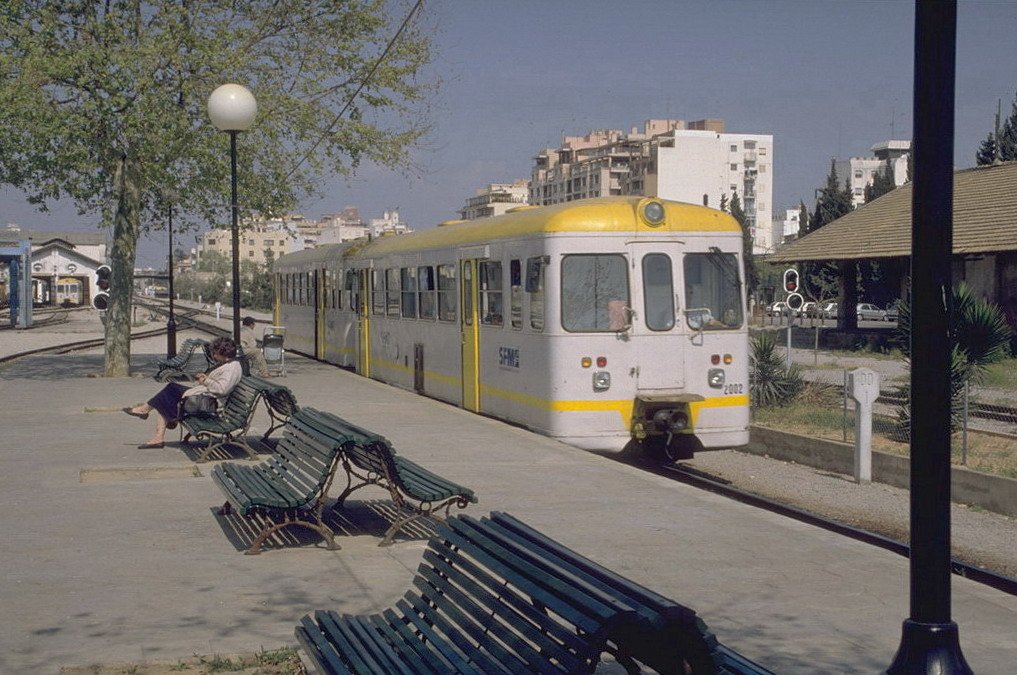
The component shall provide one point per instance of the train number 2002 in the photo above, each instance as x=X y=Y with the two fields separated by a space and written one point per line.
x=734 y=388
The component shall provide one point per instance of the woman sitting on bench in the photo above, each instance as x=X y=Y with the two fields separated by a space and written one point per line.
x=218 y=382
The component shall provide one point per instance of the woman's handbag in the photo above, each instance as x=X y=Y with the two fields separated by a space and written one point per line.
x=200 y=404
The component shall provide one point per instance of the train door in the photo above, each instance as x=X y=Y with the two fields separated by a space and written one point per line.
x=657 y=350
x=362 y=306
x=470 y=337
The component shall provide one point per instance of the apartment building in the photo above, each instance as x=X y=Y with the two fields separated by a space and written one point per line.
x=695 y=162
x=261 y=240
x=861 y=171
x=495 y=199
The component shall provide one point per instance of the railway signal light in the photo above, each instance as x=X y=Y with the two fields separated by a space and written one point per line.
x=791 y=280
x=102 y=282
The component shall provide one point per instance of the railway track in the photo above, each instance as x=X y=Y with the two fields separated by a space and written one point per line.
x=713 y=484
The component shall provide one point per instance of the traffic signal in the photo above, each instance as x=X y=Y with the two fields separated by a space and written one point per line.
x=791 y=280
x=102 y=282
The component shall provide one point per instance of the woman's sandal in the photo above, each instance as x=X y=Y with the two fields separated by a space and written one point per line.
x=131 y=412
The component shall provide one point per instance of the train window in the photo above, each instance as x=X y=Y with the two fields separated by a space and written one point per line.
x=425 y=286
x=447 y=292
x=392 y=291
x=468 y=293
x=337 y=289
x=535 y=287
x=491 y=303
x=516 y=293
x=712 y=291
x=408 y=283
x=309 y=298
x=352 y=284
x=594 y=293
x=658 y=292
x=378 y=286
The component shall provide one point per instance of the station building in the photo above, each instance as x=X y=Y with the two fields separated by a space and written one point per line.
x=63 y=264
x=984 y=240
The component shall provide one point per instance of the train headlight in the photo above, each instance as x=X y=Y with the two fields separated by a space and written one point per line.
x=653 y=213
x=601 y=380
x=715 y=377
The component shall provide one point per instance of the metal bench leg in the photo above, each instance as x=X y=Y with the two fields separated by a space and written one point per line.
x=269 y=530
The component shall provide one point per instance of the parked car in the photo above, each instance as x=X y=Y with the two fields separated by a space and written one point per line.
x=893 y=310
x=828 y=311
x=869 y=312
x=776 y=308
x=809 y=309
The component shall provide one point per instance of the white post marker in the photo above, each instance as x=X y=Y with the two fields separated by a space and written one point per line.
x=218 y=309
x=863 y=388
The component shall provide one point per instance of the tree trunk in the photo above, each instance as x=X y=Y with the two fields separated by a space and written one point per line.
x=126 y=224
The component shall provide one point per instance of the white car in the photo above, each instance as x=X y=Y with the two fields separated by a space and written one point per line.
x=869 y=312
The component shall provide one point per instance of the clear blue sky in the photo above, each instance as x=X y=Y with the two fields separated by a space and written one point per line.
x=826 y=78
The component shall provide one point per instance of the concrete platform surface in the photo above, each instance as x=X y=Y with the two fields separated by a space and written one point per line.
x=114 y=554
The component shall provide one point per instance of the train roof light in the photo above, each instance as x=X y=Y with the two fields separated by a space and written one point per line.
x=653 y=213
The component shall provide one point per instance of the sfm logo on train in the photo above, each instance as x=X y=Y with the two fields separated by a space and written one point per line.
x=508 y=357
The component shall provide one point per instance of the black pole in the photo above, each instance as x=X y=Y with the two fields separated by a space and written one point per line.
x=171 y=324
x=930 y=640
x=236 y=238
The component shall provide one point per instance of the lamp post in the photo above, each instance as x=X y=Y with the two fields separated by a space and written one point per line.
x=171 y=324
x=232 y=108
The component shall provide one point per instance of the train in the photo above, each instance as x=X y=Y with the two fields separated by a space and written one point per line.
x=610 y=324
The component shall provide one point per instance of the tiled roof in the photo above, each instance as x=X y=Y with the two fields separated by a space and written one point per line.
x=40 y=238
x=984 y=220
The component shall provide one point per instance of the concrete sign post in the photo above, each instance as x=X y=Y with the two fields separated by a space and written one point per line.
x=863 y=388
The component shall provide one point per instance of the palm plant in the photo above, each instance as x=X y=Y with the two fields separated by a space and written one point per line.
x=980 y=335
x=770 y=382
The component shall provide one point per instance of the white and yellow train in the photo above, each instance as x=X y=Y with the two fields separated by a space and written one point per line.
x=601 y=323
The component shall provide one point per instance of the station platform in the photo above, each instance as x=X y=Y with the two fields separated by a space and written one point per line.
x=115 y=554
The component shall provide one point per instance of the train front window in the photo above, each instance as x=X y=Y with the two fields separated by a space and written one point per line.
x=712 y=291
x=594 y=293
x=658 y=292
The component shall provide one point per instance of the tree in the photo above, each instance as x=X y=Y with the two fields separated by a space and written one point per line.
x=833 y=201
x=821 y=278
x=882 y=183
x=986 y=151
x=104 y=104
x=751 y=278
x=1001 y=142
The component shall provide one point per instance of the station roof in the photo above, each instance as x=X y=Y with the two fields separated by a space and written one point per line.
x=984 y=221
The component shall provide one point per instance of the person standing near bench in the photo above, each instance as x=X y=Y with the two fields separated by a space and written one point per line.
x=249 y=342
x=218 y=382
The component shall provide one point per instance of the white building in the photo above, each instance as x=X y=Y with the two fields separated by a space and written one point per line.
x=63 y=263
x=861 y=171
x=388 y=224
x=694 y=162
x=495 y=199
x=791 y=227
x=344 y=226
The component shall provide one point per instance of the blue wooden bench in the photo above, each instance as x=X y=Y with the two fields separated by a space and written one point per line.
x=176 y=366
x=290 y=488
x=415 y=491
x=496 y=596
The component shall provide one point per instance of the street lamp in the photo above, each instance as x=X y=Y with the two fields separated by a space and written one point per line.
x=171 y=324
x=232 y=108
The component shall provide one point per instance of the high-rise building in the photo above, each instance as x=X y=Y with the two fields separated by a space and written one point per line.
x=695 y=162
